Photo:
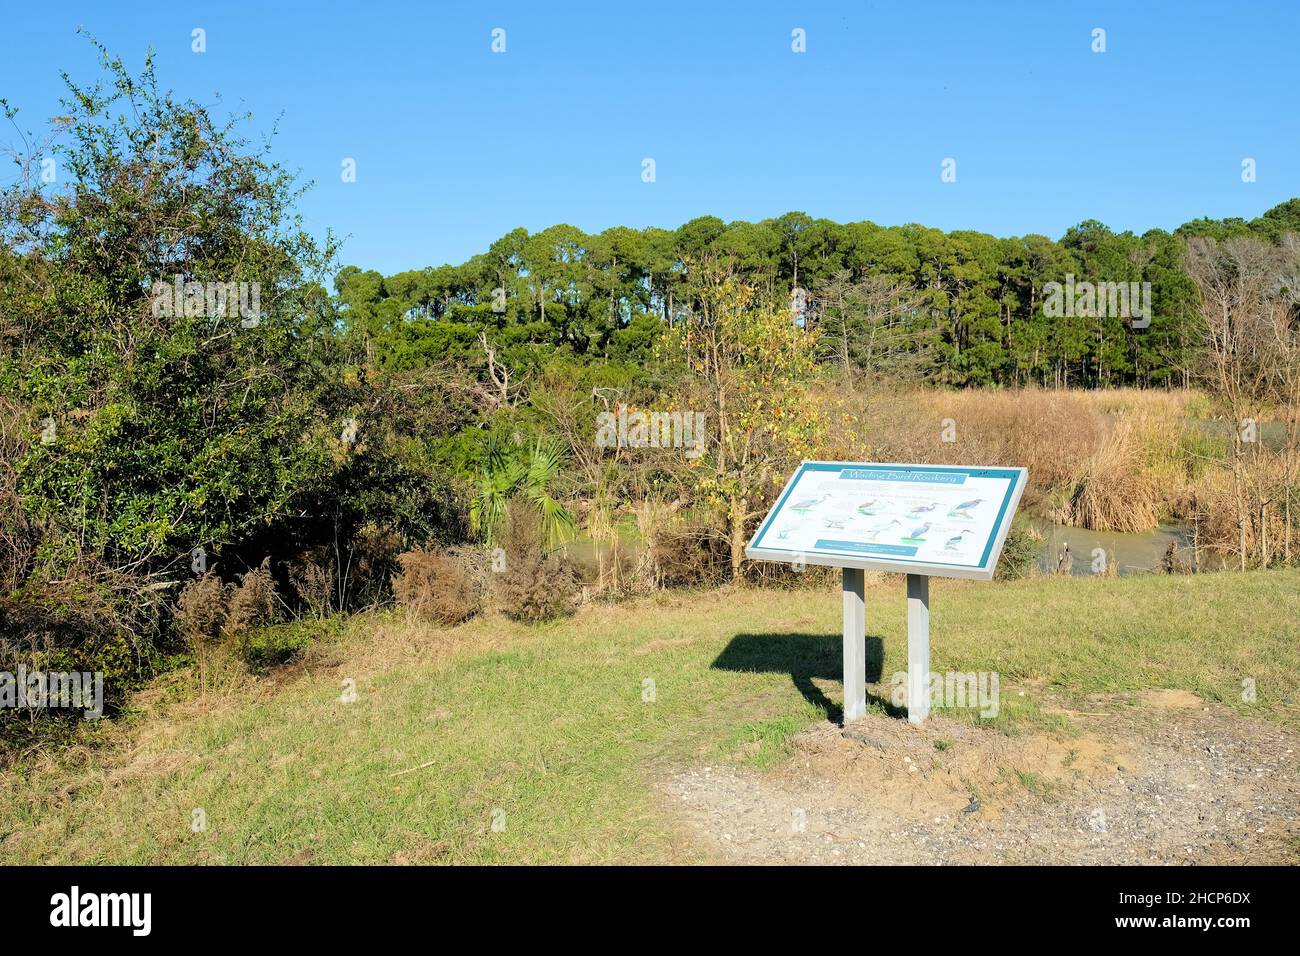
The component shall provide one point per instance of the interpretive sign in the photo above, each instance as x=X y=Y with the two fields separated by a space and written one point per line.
x=921 y=520
x=937 y=520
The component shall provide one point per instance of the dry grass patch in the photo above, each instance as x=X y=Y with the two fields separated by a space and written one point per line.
x=1116 y=490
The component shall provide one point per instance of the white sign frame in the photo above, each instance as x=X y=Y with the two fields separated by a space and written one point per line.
x=982 y=572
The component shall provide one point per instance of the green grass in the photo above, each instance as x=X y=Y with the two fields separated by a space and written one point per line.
x=762 y=743
x=550 y=726
x=268 y=647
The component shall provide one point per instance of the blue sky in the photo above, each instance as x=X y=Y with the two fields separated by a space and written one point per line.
x=456 y=145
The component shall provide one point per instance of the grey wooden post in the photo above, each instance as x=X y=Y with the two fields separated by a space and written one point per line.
x=918 y=648
x=855 y=644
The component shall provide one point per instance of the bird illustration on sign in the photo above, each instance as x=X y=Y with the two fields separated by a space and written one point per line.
x=803 y=507
x=955 y=541
x=918 y=534
x=874 y=533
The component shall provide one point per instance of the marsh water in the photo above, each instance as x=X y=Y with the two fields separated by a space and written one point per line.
x=1132 y=553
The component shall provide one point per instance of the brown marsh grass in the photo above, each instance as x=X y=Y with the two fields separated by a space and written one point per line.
x=1117 y=489
x=1109 y=460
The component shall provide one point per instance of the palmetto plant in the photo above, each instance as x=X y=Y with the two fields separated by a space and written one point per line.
x=509 y=474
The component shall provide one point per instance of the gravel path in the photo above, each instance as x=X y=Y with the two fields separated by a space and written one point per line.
x=1155 y=778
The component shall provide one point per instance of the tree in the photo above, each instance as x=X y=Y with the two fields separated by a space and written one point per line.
x=1247 y=312
x=749 y=365
x=184 y=415
x=864 y=328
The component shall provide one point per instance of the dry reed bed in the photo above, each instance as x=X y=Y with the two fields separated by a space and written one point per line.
x=1115 y=460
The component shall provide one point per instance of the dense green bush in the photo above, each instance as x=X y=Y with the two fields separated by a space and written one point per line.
x=140 y=425
x=265 y=648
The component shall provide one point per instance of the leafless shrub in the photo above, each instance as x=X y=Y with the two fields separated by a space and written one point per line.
x=654 y=518
x=535 y=586
x=538 y=588
x=437 y=587
x=1172 y=563
x=1251 y=359
x=201 y=609
x=602 y=528
x=368 y=565
x=315 y=581
x=690 y=552
x=253 y=602
x=1259 y=535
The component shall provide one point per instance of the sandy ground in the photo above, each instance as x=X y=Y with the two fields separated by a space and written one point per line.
x=1159 y=777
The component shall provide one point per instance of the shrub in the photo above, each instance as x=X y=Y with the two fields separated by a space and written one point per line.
x=263 y=648
x=178 y=427
x=315 y=581
x=535 y=586
x=1020 y=551
x=201 y=609
x=435 y=587
x=691 y=554
x=103 y=621
x=782 y=574
x=372 y=562
x=253 y=603
x=1251 y=519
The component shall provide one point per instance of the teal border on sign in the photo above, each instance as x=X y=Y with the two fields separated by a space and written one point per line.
x=811 y=466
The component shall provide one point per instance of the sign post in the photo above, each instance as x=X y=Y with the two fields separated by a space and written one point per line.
x=918 y=648
x=920 y=520
x=855 y=643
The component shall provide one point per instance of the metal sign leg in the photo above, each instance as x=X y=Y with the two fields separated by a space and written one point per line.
x=918 y=647
x=855 y=644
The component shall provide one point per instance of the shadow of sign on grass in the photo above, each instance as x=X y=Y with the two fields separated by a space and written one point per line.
x=806 y=658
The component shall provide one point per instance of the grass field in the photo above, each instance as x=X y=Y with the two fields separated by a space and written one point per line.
x=549 y=724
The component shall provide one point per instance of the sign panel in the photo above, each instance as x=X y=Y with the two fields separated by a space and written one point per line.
x=938 y=520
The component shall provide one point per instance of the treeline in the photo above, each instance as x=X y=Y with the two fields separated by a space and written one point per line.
x=970 y=307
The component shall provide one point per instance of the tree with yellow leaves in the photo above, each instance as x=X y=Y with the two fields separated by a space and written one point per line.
x=749 y=365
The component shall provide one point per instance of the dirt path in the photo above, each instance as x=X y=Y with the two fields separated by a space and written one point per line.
x=1154 y=778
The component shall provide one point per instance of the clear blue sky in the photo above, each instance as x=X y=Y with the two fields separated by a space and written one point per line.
x=456 y=145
